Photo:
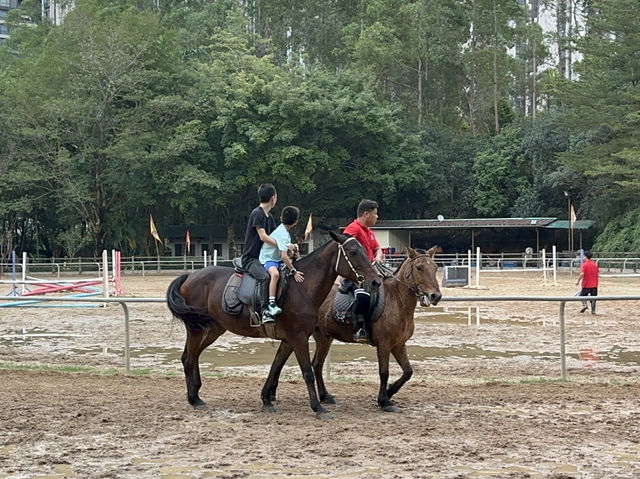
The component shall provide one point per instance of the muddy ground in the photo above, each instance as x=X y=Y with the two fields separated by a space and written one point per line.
x=485 y=400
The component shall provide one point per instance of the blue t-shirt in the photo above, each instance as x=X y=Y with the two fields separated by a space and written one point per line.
x=274 y=253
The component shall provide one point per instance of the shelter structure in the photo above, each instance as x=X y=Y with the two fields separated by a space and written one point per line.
x=491 y=234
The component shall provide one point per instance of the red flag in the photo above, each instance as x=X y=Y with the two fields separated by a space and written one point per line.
x=188 y=239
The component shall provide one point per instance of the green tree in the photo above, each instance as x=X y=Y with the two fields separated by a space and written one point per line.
x=77 y=98
x=602 y=114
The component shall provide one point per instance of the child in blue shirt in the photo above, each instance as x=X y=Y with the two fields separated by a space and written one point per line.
x=272 y=257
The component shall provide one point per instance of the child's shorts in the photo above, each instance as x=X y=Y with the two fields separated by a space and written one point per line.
x=269 y=264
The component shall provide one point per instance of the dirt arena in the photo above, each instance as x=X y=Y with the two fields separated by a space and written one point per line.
x=485 y=400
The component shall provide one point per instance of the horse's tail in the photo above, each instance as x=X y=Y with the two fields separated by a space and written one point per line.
x=192 y=317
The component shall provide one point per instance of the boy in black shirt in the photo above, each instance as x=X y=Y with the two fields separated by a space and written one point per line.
x=261 y=224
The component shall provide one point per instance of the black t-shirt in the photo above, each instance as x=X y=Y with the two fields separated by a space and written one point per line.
x=252 y=242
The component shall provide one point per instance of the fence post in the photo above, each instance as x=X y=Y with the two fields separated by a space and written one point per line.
x=563 y=359
x=478 y=266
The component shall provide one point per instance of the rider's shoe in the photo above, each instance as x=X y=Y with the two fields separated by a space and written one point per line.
x=267 y=318
x=360 y=336
x=274 y=309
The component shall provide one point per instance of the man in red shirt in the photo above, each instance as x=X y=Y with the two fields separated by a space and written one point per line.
x=359 y=229
x=589 y=273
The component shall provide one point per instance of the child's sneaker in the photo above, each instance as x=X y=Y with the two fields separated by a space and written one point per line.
x=274 y=309
x=267 y=317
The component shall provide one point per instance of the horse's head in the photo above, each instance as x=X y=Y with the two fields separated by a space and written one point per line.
x=353 y=263
x=419 y=273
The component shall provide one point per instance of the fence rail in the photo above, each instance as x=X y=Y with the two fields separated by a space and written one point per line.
x=608 y=262
x=562 y=300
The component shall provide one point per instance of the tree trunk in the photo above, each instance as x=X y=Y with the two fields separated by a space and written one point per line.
x=472 y=93
x=561 y=29
x=419 y=91
x=495 y=70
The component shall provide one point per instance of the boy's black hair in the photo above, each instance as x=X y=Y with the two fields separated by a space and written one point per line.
x=265 y=192
x=290 y=214
x=366 y=205
x=588 y=254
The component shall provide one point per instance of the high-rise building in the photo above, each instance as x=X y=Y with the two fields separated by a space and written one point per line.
x=55 y=10
x=5 y=7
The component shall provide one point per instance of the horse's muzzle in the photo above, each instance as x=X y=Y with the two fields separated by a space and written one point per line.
x=374 y=286
x=427 y=299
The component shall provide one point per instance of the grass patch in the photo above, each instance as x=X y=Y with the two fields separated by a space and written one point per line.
x=77 y=369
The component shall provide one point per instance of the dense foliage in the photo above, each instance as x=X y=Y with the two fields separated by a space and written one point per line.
x=181 y=108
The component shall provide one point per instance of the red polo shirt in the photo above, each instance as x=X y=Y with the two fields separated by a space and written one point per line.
x=364 y=236
x=591 y=271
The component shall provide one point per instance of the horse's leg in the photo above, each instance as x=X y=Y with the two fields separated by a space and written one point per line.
x=300 y=344
x=383 y=370
x=323 y=344
x=400 y=353
x=271 y=384
x=197 y=341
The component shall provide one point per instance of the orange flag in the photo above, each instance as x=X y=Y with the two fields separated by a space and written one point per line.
x=573 y=216
x=188 y=240
x=154 y=231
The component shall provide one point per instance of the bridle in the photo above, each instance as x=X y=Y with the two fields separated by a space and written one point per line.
x=415 y=289
x=359 y=277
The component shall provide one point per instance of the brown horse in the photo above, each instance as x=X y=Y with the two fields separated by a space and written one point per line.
x=414 y=280
x=196 y=299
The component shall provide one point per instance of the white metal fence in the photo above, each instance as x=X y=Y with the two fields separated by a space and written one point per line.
x=561 y=300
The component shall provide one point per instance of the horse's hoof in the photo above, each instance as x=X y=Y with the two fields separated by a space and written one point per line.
x=390 y=408
x=329 y=399
x=199 y=405
x=268 y=409
x=324 y=415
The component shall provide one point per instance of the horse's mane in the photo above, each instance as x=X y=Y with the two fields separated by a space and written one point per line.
x=419 y=251
x=307 y=260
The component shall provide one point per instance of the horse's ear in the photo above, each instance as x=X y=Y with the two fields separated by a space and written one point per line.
x=433 y=250
x=337 y=237
x=411 y=252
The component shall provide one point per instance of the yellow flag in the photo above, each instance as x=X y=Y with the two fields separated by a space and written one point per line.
x=154 y=231
x=309 y=228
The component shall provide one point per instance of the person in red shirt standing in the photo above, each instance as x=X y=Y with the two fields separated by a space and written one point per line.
x=589 y=273
x=359 y=229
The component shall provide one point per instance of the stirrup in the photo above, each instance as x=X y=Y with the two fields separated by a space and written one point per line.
x=360 y=336
x=267 y=318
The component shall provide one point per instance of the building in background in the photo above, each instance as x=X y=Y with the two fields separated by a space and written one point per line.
x=55 y=10
x=5 y=7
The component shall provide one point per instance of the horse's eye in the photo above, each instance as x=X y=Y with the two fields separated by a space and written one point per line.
x=419 y=268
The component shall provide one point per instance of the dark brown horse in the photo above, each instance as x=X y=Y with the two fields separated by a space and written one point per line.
x=196 y=299
x=414 y=280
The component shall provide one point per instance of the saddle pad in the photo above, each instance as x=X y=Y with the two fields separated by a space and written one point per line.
x=341 y=308
x=231 y=303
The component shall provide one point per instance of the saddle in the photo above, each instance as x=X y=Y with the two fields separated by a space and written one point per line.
x=241 y=289
x=344 y=302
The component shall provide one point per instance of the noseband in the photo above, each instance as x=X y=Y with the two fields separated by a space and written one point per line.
x=359 y=277
x=415 y=289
